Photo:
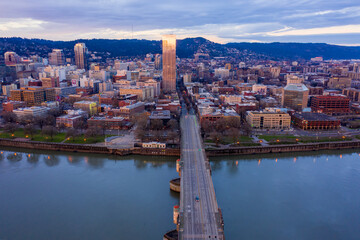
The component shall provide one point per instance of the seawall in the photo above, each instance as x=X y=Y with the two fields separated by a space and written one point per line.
x=88 y=148
x=283 y=148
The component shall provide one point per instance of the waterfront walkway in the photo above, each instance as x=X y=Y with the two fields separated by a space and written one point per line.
x=200 y=217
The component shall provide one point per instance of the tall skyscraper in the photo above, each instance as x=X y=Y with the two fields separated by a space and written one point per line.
x=81 y=55
x=56 y=57
x=169 y=62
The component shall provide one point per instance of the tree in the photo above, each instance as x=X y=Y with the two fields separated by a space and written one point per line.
x=156 y=124
x=9 y=117
x=40 y=121
x=233 y=122
x=81 y=124
x=10 y=127
x=173 y=124
x=140 y=120
x=55 y=112
x=92 y=132
x=49 y=131
x=207 y=126
x=73 y=133
x=216 y=137
x=172 y=135
x=221 y=125
x=102 y=127
x=61 y=127
x=30 y=130
x=247 y=129
x=50 y=120
x=234 y=133
x=140 y=133
x=157 y=135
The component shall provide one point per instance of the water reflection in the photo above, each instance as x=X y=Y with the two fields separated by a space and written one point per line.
x=74 y=160
x=94 y=162
x=33 y=158
x=14 y=157
x=232 y=166
x=51 y=160
x=215 y=165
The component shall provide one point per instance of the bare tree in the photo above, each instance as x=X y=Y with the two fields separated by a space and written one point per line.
x=10 y=127
x=50 y=120
x=140 y=133
x=247 y=129
x=234 y=133
x=30 y=130
x=207 y=126
x=221 y=125
x=9 y=117
x=40 y=121
x=172 y=136
x=49 y=131
x=173 y=124
x=233 y=122
x=92 y=132
x=80 y=125
x=157 y=135
x=156 y=124
x=216 y=137
x=73 y=133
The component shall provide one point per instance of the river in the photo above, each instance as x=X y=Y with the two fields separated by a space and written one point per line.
x=87 y=196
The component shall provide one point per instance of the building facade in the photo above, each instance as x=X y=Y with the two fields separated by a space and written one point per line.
x=268 y=120
x=169 y=63
x=314 y=121
x=56 y=57
x=330 y=104
x=295 y=96
x=81 y=52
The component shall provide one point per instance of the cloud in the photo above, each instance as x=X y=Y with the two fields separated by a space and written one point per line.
x=220 y=21
x=349 y=12
x=346 y=29
x=20 y=24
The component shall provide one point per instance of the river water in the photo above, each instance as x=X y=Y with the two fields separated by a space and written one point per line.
x=87 y=196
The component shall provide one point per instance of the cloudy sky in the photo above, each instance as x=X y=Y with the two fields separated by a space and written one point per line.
x=330 y=21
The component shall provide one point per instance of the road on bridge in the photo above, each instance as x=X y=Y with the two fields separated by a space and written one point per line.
x=199 y=212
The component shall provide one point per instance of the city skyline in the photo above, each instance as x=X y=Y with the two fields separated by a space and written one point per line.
x=283 y=21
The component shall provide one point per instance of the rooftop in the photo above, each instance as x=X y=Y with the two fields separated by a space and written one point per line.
x=314 y=116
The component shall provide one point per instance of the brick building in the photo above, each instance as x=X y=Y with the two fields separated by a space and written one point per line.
x=314 y=121
x=330 y=104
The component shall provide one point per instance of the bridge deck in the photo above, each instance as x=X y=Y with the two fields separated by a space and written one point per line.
x=199 y=219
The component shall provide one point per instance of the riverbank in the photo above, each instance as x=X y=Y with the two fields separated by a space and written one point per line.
x=90 y=148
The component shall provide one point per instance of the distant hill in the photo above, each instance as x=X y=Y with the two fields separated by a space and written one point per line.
x=299 y=50
x=186 y=48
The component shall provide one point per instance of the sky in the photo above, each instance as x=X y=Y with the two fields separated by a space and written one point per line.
x=329 y=21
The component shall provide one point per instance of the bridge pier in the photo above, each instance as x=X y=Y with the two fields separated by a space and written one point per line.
x=175 y=185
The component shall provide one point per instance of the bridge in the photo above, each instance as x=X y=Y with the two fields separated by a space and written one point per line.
x=199 y=214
